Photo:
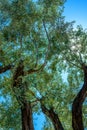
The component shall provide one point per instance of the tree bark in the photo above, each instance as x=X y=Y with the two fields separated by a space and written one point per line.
x=53 y=116
x=19 y=89
x=77 y=121
x=5 y=68
x=26 y=115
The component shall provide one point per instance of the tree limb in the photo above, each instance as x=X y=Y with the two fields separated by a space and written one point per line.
x=36 y=47
x=31 y=71
x=53 y=116
x=77 y=121
x=49 y=42
x=5 y=68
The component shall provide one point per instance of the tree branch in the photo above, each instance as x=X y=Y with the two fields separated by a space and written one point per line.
x=36 y=47
x=53 y=116
x=31 y=71
x=49 y=42
x=5 y=68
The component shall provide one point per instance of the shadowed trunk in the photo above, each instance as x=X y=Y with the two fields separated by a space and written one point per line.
x=53 y=116
x=26 y=115
x=19 y=89
x=77 y=122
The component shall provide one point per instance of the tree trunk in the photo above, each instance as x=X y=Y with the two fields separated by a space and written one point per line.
x=26 y=115
x=19 y=89
x=77 y=122
x=54 y=117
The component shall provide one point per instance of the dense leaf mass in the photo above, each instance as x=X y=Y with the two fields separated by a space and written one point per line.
x=43 y=66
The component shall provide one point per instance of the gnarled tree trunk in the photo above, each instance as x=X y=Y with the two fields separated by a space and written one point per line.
x=53 y=116
x=77 y=122
x=26 y=115
x=19 y=89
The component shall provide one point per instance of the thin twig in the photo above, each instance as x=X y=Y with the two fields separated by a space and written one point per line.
x=71 y=62
x=81 y=61
x=49 y=42
x=37 y=57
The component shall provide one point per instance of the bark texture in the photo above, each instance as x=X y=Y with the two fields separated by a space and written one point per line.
x=77 y=121
x=26 y=115
x=53 y=116
x=19 y=89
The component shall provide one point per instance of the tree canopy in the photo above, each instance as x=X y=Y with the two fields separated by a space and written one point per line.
x=43 y=66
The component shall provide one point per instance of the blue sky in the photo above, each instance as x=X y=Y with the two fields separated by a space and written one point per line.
x=76 y=10
x=38 y=121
